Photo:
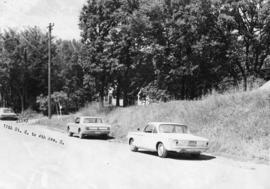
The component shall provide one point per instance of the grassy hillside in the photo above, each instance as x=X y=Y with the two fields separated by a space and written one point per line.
x=237 y=124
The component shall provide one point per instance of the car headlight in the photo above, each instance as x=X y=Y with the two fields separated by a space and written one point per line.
x=183 y=142
x=175 y=142
x=203 y=143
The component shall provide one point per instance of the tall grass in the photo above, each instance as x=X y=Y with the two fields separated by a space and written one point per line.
x=237 y=124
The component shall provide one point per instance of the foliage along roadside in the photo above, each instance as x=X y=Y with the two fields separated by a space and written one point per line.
x=169 y=49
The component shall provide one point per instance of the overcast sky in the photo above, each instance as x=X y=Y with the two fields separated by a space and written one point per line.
x=63 y=13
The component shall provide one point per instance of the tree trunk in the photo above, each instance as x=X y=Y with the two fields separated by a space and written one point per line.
x=1 y=99
x=22 y=103
x=244 y=75
x=245 y=82
x=101 y=100
x=60 y=108
x=118 y=93
x=125 y=98
x=56 y=107
x=183 y=91
x=101 y=97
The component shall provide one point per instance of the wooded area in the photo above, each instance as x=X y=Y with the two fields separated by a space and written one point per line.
x=167 y=49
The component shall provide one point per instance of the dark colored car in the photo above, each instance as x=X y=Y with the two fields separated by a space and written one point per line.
x=8 y=114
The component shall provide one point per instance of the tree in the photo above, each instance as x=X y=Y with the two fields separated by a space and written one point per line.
x=70 y=74
x=24 y=58
x=59 y=102
x=130 y=71
x=97 y=18
x=249 y=22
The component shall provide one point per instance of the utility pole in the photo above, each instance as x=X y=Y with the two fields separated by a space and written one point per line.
x=49 y=71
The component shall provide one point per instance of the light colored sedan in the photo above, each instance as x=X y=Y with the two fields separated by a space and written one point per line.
x=88 y=126
x=164 y=137
x=8 y=114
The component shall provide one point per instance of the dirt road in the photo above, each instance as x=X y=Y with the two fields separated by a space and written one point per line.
x=30 y=162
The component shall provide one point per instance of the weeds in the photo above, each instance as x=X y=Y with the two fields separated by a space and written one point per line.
x=237 y=124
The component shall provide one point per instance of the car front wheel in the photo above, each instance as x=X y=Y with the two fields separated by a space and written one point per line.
x=80 y=134
x=161 y=150
x=69 y=133
x=132 y=147
x=105 y=136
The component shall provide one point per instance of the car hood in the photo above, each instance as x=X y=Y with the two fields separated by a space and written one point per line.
x=180 y=136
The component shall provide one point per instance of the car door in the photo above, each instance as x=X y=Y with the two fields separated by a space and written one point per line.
x=138 y=138
x=148 y=137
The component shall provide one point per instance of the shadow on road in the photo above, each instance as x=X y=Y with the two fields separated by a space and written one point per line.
x=97 y=137
x=176 y=156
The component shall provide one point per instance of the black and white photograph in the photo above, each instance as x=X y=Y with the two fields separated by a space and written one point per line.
x=134 y=94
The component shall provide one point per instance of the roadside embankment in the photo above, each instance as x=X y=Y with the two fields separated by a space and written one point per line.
x=237 y=124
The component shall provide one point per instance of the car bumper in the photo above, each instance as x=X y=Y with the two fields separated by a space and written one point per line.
x=11 y=118
x=95 y=132
x=189 y=149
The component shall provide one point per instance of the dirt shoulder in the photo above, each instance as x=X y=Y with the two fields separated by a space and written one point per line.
x=33 y=162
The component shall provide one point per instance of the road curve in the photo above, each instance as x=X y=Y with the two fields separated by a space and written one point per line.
x=33 y=162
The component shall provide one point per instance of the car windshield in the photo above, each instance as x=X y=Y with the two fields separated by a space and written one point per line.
x=172 y=128
x=92 y=120
x=8 y=110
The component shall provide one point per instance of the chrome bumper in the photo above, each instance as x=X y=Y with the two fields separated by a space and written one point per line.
x=8 y=118
x=189 y=149
x=95 y=132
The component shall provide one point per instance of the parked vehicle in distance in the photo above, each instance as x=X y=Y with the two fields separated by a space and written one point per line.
x=164 y=137
x=8 y=114
x=88 y=126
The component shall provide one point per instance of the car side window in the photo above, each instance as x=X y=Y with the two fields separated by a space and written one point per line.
x=148 y=129
x=77 y=120
x=154 y=130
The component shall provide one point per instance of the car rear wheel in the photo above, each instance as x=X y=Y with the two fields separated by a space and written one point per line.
x=161 y=150
x=80 y=134
x=132 y=147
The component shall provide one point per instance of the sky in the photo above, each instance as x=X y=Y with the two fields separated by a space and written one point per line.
x=64 y=14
